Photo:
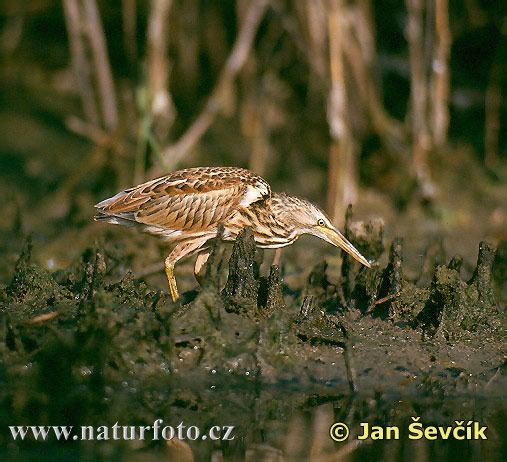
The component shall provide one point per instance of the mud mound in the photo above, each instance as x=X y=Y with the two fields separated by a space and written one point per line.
x=77 y=349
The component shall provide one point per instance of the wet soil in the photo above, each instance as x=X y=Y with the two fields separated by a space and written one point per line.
x=83 y=346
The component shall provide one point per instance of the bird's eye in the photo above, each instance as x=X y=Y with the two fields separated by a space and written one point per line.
x=320 y=222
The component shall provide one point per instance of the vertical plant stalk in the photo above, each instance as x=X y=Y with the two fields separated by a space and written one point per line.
x=80 y=63
x=316 y=19
x=237 y=58
x=440 y=74
x=158 y=62
x=342 y=181
x=418 y=94
x=96 y=37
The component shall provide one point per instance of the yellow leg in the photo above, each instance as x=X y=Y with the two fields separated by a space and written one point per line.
x=169 y=271
x=182 y=249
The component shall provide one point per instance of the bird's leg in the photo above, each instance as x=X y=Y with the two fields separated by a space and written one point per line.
x=181 y=250
x=169 y=271
x=202 y=258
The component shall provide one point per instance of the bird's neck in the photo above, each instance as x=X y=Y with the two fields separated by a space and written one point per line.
x=269 y=230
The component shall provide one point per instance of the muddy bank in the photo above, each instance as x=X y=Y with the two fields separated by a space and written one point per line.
x=247 y=351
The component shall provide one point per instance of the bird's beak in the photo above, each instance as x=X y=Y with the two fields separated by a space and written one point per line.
x=337 y=239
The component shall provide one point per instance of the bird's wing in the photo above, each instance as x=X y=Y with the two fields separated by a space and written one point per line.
x=190 y=200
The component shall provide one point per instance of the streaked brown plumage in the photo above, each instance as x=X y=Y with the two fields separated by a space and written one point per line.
x=186 y=207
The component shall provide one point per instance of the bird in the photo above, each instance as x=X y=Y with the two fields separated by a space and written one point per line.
x=186 y=208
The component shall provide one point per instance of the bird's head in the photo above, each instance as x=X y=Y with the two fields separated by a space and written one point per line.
x=303 y=217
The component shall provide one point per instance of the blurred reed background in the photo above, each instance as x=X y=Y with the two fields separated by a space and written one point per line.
x=326 y=94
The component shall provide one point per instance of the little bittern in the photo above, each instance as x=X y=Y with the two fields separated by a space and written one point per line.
x=186 y=207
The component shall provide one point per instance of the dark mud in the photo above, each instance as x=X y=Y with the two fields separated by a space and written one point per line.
x=247 y=351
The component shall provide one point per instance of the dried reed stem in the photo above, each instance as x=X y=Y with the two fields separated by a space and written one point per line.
x=80 y=64
x=440 y=75
x=418 y=91
x=158 y=62
x=95 y=33
x=342 y=181
x=315 y=13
